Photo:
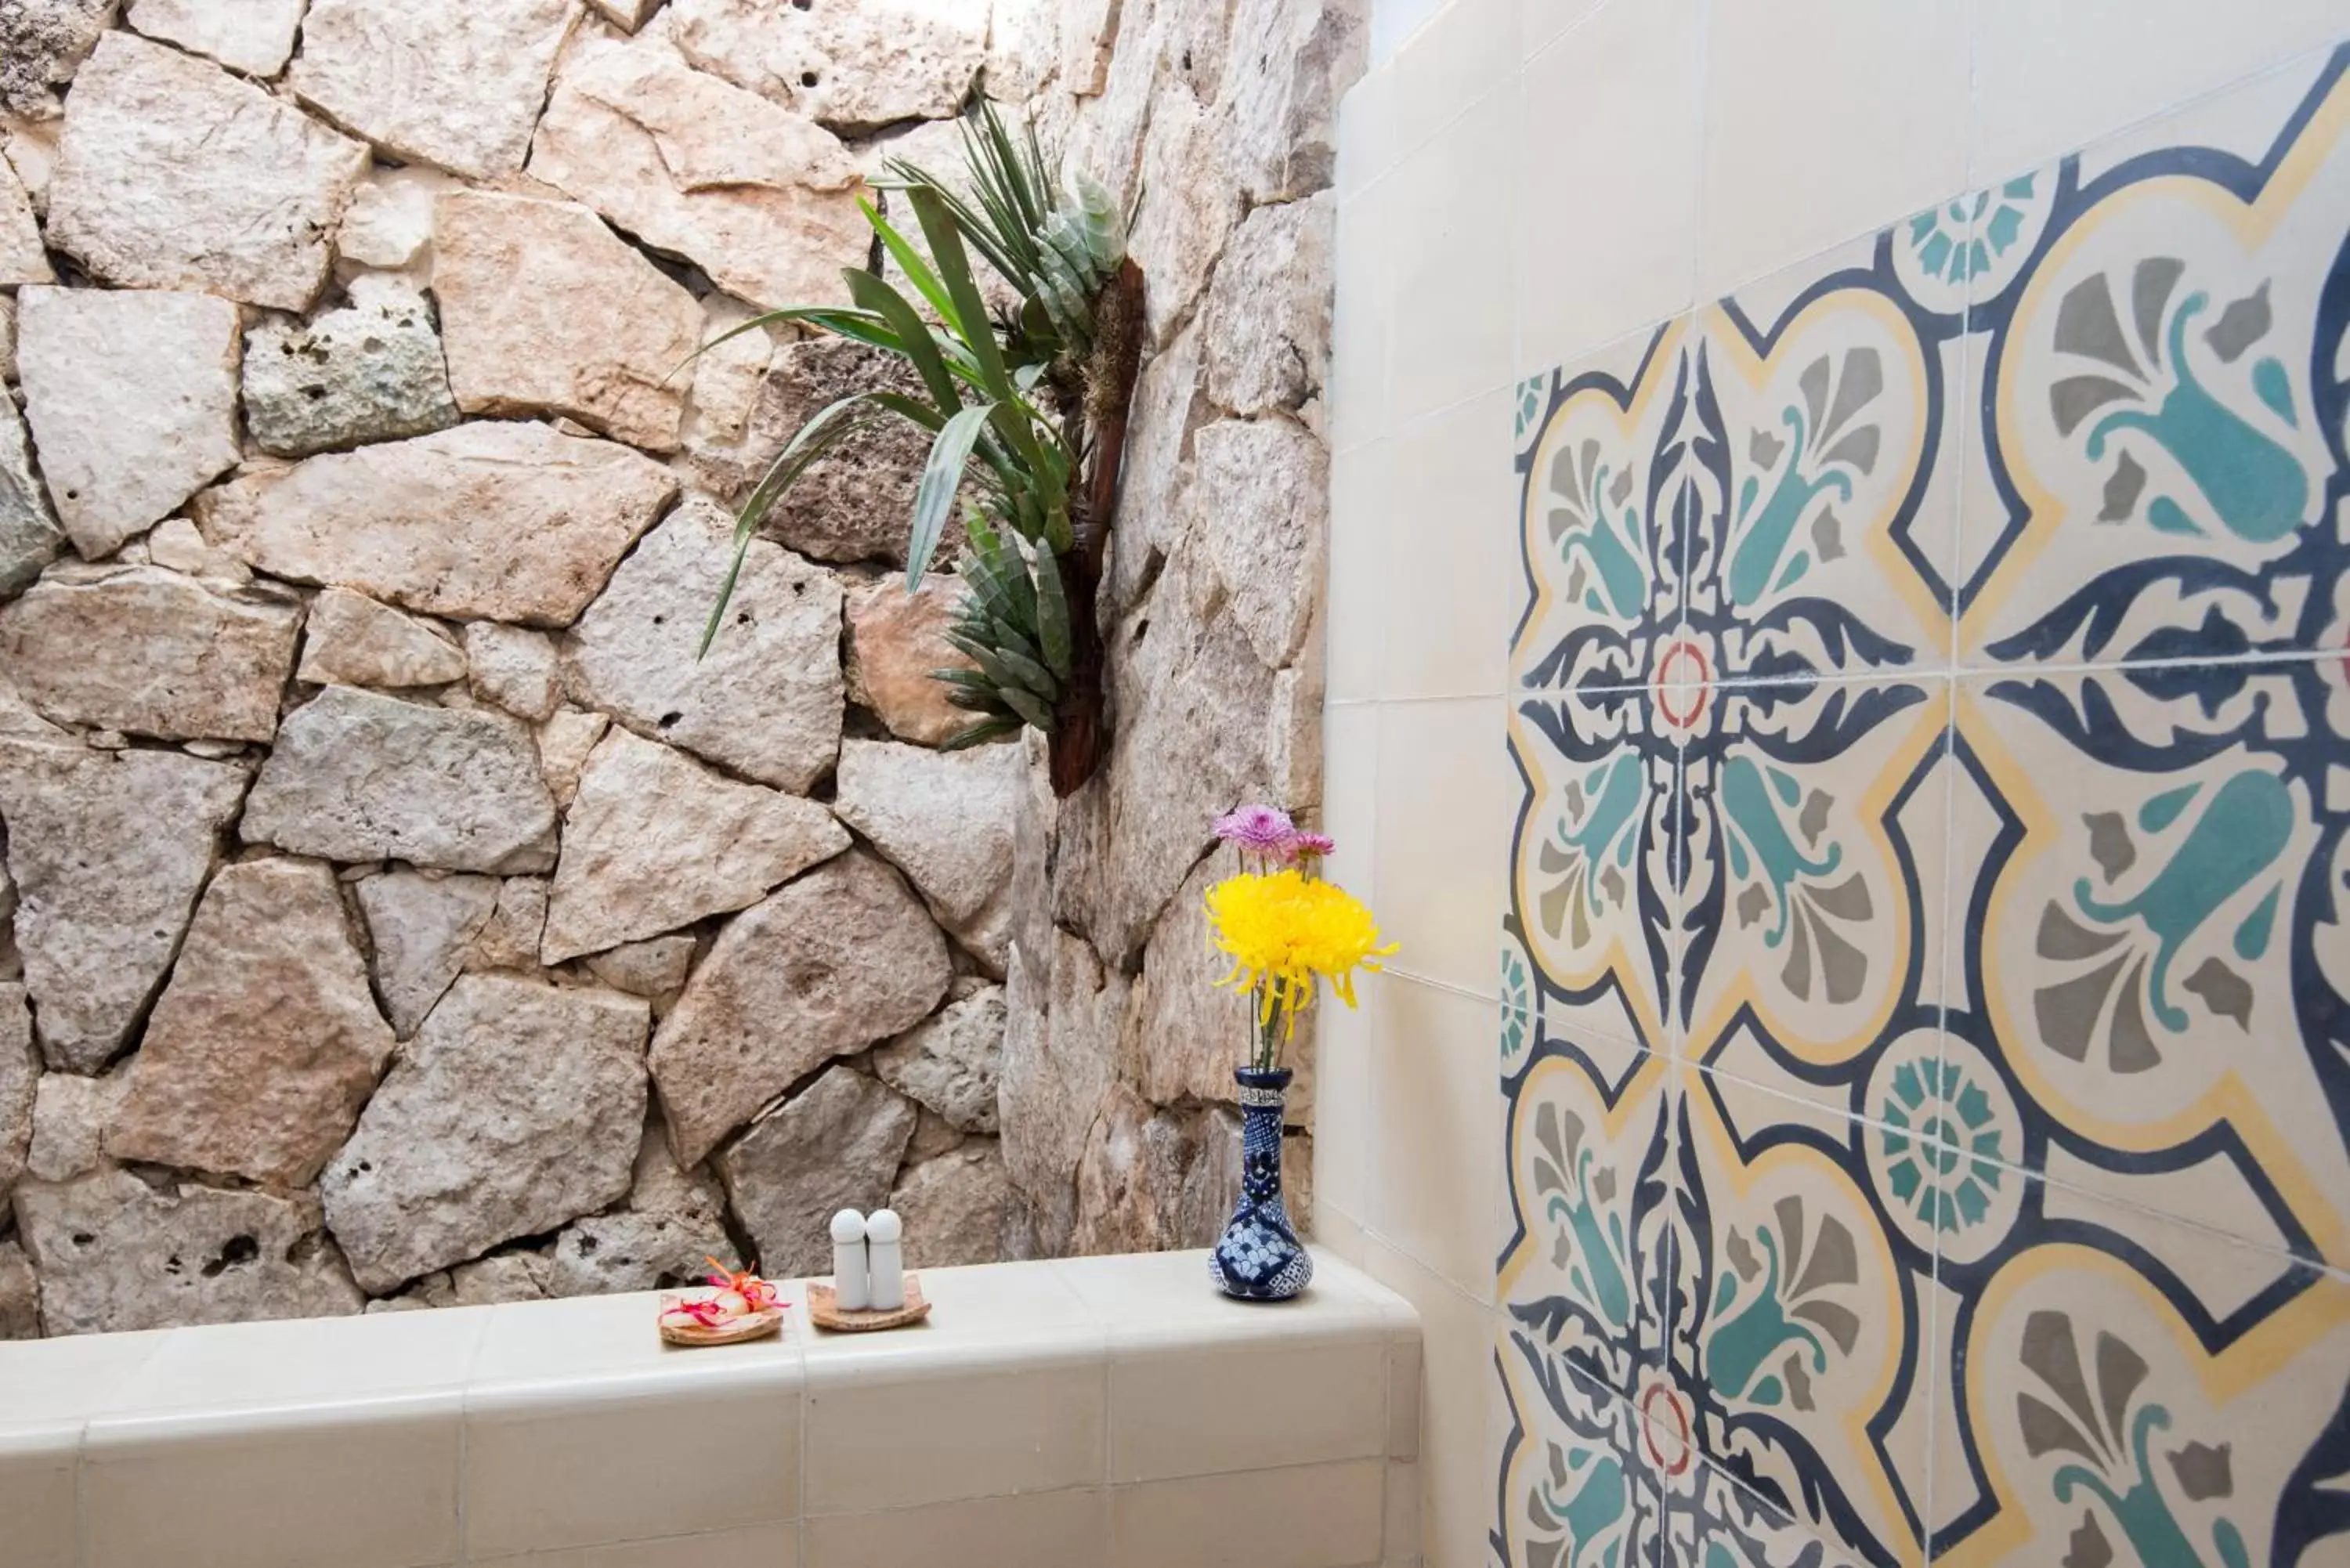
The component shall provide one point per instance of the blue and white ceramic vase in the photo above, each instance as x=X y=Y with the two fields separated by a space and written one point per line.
x=1259 y=1257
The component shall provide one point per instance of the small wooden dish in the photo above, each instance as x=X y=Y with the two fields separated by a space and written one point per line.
x=822 y=1308
x=752 y=1325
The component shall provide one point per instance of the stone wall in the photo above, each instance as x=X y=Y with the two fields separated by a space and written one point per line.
x=394 y=911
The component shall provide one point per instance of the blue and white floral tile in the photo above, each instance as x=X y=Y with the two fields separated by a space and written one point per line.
x=1610 y=489
x=2160 y=474
x=1799 y=1304
x=1582 y=1269
x=2124 y=1389
x=1714 y=1521
x=1576 y=1489
x=2156 y=968
x=1592 y=910
x=1815 y=827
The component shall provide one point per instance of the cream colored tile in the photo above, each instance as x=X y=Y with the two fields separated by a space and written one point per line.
x=1822 y=120
x=595 y=1336
x=1336 y=1231
x=2050 y=78
x=322 y=1361
x=1541 y=21
x=1400 y=1543
x=1441 y=832
x=1319 y=1516
x=1448 y=277
x=1360 y=399
x=1437 y=1115
x=1606 y=128
x=1018 y=1308
x=1173 y=1408
x=761 y=1547
x=1362 y=514
x=37 y=1498
x=51 y=1382
x=1367 y=140
x=1343 y=1133
x=946 y=1428
x=1464 y=52
x=1407 y=1371
x=363 y=1485
x=629 y=1458
x=1453 y=581
x=1395 y=25
x=1144 y=1297
x=1459 y=1411
x=1046 y=1530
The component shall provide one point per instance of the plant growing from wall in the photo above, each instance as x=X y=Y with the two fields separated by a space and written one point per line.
x=1026 y=415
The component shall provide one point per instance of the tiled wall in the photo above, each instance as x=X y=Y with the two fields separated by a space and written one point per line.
x=1839 y=549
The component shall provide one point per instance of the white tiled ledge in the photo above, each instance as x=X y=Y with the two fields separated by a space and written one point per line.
x=1093 y=1412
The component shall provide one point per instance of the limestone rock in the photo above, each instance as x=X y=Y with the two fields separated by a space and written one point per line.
x=835 y=1145
x=1154 y=516
x=453 y=83
x=1192 y=1033
x=1263 y=500
x=117 y=1254
x=20 y=1294
x=1279 y=98
x=944 y=818
x=1117 y=1207
x=951 y=1061
x=175 y=546
x=857 y=67
x=175 y=174
x=29 y=536
x=517 y=1108
x=1268 y=314
x=626 y=14
x=505 y=522
x=1088 y=29
x=761 y=198
x=370 y=372
x=1023 y=47
x=389 y=224
x=656 y=968
x=655 y=841
x=421 y=928
x=265 y=1044
x=132 y=399
x=565 y=743
x=516 y=928
x=1063 y=1021
x=767 y=699
x=493 y=1280
x=1190 y=204
x=670 y=1222
x=21 y=259
x=151 y=652
x=547 y=311
x=351 y=640
x=255 y=36
x=359 y=776
x=7 y=333
x=512 y=668
x=20 y=1074
x=954 y=1206
x=933 y=1135
x=823 y=967
x=69 y=1116
x=108 y=850
x=727 y=377
x=42 y=41
x=857 y=502
x=895 y=641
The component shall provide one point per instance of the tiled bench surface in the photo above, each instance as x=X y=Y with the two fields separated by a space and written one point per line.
x=1094 y=1412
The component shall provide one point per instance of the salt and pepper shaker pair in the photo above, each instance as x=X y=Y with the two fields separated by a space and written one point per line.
x=869 y=1272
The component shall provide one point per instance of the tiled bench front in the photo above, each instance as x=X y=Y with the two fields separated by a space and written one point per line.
x=1094 y=1413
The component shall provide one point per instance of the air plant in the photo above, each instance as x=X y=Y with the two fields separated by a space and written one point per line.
x=1030 y=397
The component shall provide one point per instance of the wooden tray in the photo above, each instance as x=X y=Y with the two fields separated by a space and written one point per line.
x=826 y=1314
x=754 y=1325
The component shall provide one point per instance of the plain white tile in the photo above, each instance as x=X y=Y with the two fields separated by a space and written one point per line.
x=1822 y=120
x=2051 y=78
x=1461 y=1409
x=1043 y=1529
x=1177 y=1409
x=761 y=1547
x=1013 y=1306
x=297 y=1361
x=37 y=1498
x=629 y=1458
x=1448 y=279
x=1450 y=538
x=1396 y=23
x=1441 y=838
x=1606 y=128
x=1353 y=619
x=1436 y=1118
x=1465 y=51
x=1540 y=22
x=1367 y=140
x=585 y=1337
x=1316 y=1516
x=65 y=1381
x=1400 y=1535
x=1345 y=1141
x=1350 y=774
x=370 y=1485
x=1359 y=396
x=1157 y=1297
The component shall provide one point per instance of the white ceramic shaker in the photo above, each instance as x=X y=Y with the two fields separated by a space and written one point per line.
x=886 y=1259
x=850 y=1291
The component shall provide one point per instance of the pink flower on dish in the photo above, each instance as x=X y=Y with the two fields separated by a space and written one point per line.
x=1258 y=830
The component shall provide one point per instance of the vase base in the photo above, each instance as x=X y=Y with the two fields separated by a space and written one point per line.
x=1279 y=1279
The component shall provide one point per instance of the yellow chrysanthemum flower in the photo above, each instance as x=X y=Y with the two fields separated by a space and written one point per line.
x=1282 y=930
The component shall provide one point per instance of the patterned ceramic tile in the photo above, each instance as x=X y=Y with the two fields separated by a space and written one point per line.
x=1577 y=1491
x=1930 y=1064
x=2166 y=399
